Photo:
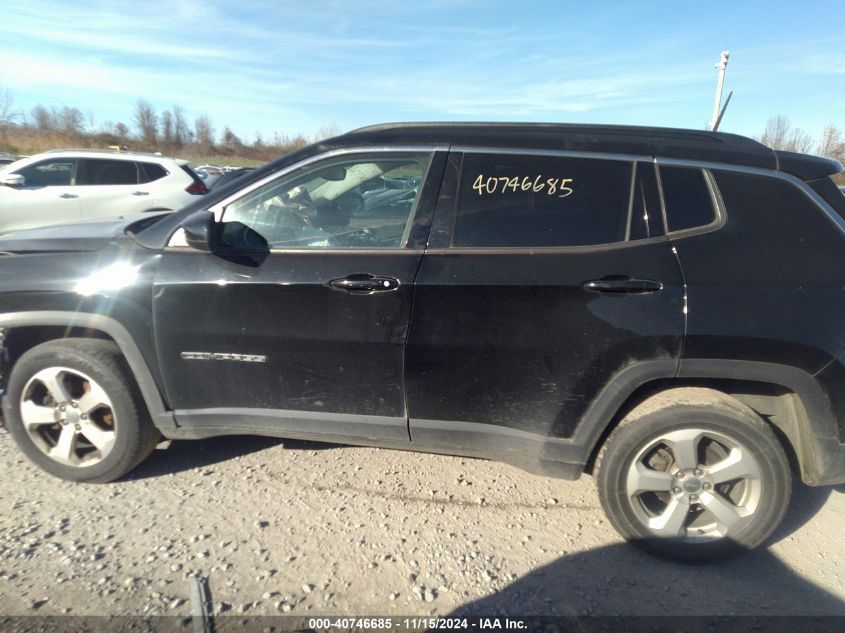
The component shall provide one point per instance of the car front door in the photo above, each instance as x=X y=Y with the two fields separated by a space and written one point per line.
x=546 y=276
x=48 y=196
x=308 y=338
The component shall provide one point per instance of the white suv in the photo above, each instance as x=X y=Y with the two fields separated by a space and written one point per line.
x=66 y=185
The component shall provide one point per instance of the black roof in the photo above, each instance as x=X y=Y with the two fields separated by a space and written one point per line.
x=650 y=141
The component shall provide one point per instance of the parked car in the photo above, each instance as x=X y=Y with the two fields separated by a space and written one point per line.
x=660 y=308
x=6 y=159
x=65 y=185
x=226 y=177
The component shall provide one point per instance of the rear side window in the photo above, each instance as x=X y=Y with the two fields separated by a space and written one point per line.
x=148 y=172
x=688 y=200
x=527 y=201
x=108 y=172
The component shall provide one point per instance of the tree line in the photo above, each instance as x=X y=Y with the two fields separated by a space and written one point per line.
x=169 y=130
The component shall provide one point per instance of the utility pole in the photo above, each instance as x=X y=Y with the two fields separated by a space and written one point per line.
x=722 y=66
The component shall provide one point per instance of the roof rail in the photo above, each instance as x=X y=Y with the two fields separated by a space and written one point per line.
x=108 y=150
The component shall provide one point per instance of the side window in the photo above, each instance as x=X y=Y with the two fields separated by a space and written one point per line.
x=688 y=199
x=646 y=213
x=357 y=201
x=49 y=173
x=148 y=172
x=525 y=201
x=108 y=172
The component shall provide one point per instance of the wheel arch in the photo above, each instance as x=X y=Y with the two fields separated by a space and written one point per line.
x=790 y=400
x=23 y=330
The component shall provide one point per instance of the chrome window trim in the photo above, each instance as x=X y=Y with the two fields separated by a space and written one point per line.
x=709 y=166
x=831 y=214
x=720 y=214
x=631 y=203
x=503 y=250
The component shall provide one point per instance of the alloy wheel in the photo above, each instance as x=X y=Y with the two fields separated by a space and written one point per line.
x=694 y=484
x=68 y=416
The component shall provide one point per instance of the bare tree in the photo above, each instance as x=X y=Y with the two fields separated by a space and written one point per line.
x=43 y=118
x=70 y=120
x=146 y=121
x=121 y=131
x=779 y=134
x=167 y=132
x=327 y=131
x=799 y=141
x=776 y=132
x=831 y=143
x=204 y=130
x=181 y=133
x=7 y=114
x=229 y=139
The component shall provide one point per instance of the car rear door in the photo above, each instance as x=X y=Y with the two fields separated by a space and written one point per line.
x=307 y=339
x=109 y=187
x=546 y=277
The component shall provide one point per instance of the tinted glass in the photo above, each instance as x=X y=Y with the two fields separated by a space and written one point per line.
x=48 y=173
x=148 y=172
x=523 y=201
x=689 y=203
x=108 y=172
x=349 y=202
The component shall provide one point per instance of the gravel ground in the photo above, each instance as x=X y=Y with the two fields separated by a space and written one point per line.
x=305 y=528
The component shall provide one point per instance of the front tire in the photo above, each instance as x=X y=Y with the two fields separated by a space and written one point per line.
x=74 y=410
x=695 y=475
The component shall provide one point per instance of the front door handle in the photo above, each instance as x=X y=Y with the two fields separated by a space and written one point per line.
x=624 y=285
x=68 y=196
x=365 y=284
x=141 y=193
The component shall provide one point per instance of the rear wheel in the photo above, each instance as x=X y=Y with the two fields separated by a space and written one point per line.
x=694 y=474
x=74 y=410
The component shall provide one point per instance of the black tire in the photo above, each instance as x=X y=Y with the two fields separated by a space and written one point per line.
x=135 y=436
x=688 y=410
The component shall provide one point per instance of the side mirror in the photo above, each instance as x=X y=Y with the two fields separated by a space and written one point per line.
x=12 y=180
x=199 y=230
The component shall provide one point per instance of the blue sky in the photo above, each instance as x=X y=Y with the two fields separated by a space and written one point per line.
x=296 y=66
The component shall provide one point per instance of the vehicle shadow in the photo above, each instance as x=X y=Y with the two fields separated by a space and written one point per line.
x=621 y=580
x=178 y=456
x=805 y=503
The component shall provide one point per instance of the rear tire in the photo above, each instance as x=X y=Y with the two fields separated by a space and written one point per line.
x=694 y=475
x=74 y=410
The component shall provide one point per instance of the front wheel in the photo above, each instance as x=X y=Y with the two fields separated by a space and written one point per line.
x=694 y=474
x=74 y=410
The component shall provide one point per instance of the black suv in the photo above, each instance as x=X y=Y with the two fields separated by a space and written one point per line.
x=662 y=308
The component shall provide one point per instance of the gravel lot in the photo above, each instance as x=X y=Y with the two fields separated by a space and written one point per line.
x=304 y=528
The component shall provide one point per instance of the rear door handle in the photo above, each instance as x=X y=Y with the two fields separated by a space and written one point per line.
x=68 y=196
x=624 y=285
x=365 y=284
x=141 y=193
